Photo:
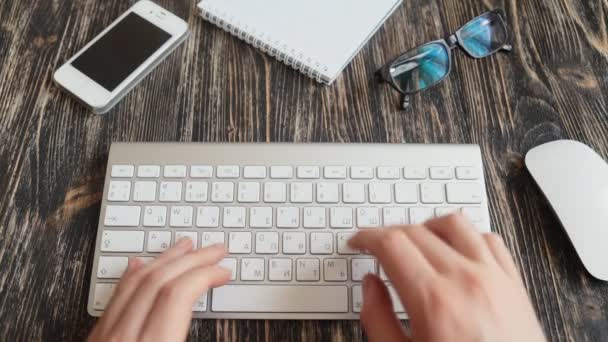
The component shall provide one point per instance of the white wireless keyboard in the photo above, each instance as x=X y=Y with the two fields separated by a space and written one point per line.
x=284 y=211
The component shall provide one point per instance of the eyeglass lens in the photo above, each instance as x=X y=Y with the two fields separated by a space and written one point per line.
x=420 y=68
x=483 y=36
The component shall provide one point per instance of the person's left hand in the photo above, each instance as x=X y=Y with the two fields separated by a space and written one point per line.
x=154 y=302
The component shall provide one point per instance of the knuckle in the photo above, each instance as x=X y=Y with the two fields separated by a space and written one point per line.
x=392 y=240
x=154 y=277
x=168 y=292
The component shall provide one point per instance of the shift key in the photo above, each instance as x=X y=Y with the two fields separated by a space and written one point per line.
x=464 y=193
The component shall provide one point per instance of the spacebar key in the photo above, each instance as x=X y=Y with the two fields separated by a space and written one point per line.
x=274 y=298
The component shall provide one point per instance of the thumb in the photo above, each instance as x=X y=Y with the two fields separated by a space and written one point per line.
x=377 y=315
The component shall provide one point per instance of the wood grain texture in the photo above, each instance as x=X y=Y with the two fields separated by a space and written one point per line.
x=216 y=88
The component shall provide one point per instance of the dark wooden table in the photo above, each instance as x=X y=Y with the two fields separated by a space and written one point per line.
x=215 y=88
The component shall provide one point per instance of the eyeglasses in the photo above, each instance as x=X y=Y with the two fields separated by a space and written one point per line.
x=429 y=64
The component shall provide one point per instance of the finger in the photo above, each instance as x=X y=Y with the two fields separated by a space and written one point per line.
x=133 y=265
x=392 y=247
x=171 y=314
x=441 y=255
x=140 y=304
x=378 y=318
x=129 y=282
x=459 y=233
x=501 y=254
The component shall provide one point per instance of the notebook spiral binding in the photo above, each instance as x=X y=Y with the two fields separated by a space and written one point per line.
x=281 y=53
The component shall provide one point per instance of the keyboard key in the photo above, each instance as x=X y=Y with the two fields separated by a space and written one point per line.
x=222 y=192
x=211 y=238
x=294 y=243
x=442 y=172
x=196 y=191
x=148 y=171
x=144 y=192
x=467 y=173
x=281 y=172
x=175 y=171
x=301 y=192
x=111 y=267
x=334 y=172
x=208 y=217
x=368 y=217
x=327 y=193
x=308 y=270
x=280 y=298
x=170 y=192
x=123 y=216
x=249 y=192
x=406 y=193
x=335 y=270
x=201 y=171
x=122 y=241
x=379 y=193
x=414 y=172
x=275 y=192
x=343 y=247
x=361 y=172
x=229 y=264
x=431 y=193
x=103 y=294
x=122 y=171
x=254 y=172
x=308 y=172
x=341 y=217
x=321 y=243
x=146 y=260
x=314 y=217
x=288 y=217
x=119 y=191
x=155 y=216
x=234 y=217
x=252 y=269
x=260 y=217
x=159 y=241
x=444 y=211
x=475 y=214
x=267 y=243
x=357 y=293
x=228 y=171
x=464 y=193
x=394 y=216
x=420 y=215
x=239 y=243
x=181 y=216
x=279 y=270
x=361 y=267
x=353 y=193
x=388 y=172
x=201 y=304
x=193 y=236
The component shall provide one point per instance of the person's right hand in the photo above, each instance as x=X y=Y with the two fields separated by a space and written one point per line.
x=455 y=283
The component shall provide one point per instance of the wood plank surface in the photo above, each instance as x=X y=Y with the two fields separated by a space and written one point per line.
x=216 y=88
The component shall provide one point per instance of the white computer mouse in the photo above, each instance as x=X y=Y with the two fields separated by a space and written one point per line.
x=574 y=178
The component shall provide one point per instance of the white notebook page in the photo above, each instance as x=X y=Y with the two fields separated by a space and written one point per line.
x=326 y=33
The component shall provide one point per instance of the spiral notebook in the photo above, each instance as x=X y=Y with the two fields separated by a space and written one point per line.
x=316 y=37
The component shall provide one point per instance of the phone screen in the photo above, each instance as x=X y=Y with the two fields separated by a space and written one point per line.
x=111 y=59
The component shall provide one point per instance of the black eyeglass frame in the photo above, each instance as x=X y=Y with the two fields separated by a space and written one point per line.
x=450 y=43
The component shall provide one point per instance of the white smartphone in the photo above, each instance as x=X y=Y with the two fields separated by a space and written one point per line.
x=107 y=68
